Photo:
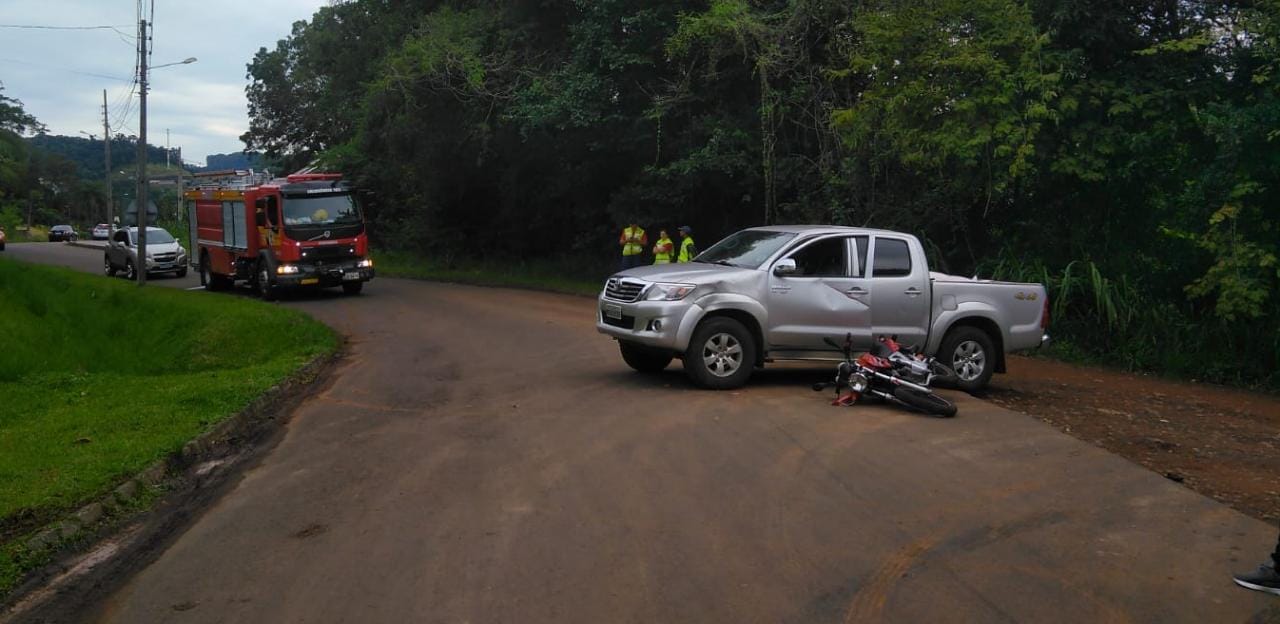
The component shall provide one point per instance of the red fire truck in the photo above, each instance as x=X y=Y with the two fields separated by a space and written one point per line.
x=306 y=229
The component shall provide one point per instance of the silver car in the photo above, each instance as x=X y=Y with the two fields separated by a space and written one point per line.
x=164 y=253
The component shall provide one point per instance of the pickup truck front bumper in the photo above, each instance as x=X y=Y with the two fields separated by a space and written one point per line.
x=659 y=325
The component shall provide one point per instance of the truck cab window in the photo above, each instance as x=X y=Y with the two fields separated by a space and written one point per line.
x=824 y=258
x=892 y=258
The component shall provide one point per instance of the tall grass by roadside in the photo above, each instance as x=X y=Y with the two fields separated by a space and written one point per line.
x=99 y=378
x=1116 y=322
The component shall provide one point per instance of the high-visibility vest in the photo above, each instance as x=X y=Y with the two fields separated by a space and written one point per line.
x=663 y=251
x=632 y=240
x=687 y=250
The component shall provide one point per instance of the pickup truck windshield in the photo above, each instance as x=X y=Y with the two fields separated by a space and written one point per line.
x=320 y=210
x=748 y=248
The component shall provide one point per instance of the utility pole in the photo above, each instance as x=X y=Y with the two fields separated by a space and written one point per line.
x=141 y=264
x=166 y=150
x=106 y=148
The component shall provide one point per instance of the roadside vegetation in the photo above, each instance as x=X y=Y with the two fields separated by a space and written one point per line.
x=1123 y=152
x=98 y=379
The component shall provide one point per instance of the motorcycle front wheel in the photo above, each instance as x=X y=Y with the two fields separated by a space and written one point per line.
x=926 y=402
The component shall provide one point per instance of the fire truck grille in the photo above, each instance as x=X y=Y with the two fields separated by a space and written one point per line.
x=329 y=253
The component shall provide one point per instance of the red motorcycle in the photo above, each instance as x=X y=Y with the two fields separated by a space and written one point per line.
x=880 y=374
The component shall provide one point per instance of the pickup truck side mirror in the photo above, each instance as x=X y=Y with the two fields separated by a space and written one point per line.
x=784 y=267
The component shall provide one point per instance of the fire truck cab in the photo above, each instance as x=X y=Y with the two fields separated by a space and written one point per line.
x=304 y=230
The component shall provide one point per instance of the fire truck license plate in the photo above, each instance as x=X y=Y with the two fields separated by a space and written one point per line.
x=613 y=311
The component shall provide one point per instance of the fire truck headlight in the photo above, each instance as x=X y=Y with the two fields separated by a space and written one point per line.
x=366 y=263
x=286 y=269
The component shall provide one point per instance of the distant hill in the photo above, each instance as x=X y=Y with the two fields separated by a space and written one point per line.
x=87 y=153
x=235 y=160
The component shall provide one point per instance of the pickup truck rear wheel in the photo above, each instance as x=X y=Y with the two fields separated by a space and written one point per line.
x=721 y=354
x=969 y=352
x=642 y=359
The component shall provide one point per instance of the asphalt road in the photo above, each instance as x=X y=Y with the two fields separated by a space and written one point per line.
x=485 y=456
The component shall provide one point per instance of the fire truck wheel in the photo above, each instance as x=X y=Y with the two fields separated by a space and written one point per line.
x=266 y=289
x=353 y=288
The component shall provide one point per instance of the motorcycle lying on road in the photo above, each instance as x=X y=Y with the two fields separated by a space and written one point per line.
x=889 y=373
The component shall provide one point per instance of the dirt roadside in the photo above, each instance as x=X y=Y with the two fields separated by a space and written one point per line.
x=1220 y=442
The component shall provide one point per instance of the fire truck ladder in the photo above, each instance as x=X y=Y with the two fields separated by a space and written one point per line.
x=231 y=179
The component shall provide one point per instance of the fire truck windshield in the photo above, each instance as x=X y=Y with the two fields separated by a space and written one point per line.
x=320 y=211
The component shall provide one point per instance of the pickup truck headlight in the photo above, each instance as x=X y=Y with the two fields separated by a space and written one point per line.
x=668 y=292
x=366 y=263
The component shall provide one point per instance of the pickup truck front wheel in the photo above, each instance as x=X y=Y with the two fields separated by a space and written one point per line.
x=642 y=359
x=969 y=352
x=721 y=354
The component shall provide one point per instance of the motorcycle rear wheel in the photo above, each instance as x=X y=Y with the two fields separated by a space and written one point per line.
x=928 y=403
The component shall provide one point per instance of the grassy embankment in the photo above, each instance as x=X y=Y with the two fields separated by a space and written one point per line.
x=554 y=277
x=98 y=379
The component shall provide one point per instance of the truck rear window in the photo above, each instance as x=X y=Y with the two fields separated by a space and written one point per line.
x=892 y=258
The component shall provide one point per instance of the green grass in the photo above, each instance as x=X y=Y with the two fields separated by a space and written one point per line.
x=98 y=379
x=563 y=277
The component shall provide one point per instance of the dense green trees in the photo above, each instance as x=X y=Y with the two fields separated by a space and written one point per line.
x=1122 y=150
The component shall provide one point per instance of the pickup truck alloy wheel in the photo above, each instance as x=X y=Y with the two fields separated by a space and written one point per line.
x=108 y=267
x=969 y=360
x=129 y=271
x=721 y=355
x=971 y=354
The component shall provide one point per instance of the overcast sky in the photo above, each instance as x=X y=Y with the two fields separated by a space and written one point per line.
x=202 y=104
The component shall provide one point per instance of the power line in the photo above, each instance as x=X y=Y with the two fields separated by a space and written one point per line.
x=73 y=71
x=36 y=27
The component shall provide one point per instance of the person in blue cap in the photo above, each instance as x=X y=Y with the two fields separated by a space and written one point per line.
x=687 y=249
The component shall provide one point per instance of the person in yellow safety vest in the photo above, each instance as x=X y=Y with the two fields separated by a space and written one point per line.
x=687 y=249
x=633 y=241
x=664 y=250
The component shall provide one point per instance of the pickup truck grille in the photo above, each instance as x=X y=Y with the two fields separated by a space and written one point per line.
x=622 y=289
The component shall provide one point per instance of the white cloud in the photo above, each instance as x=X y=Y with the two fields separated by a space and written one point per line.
x=202 y=104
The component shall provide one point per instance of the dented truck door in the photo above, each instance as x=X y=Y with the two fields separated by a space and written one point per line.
x=823 y=296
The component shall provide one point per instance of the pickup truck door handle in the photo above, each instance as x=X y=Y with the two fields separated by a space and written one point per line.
x=912 y=292
x=856 y=291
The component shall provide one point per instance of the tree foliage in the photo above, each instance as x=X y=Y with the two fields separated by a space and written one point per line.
x=1135 y=137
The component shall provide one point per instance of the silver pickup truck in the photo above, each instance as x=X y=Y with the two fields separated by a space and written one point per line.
x=773 y=293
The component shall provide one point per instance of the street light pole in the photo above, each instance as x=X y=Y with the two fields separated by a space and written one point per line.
x=140 y=265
